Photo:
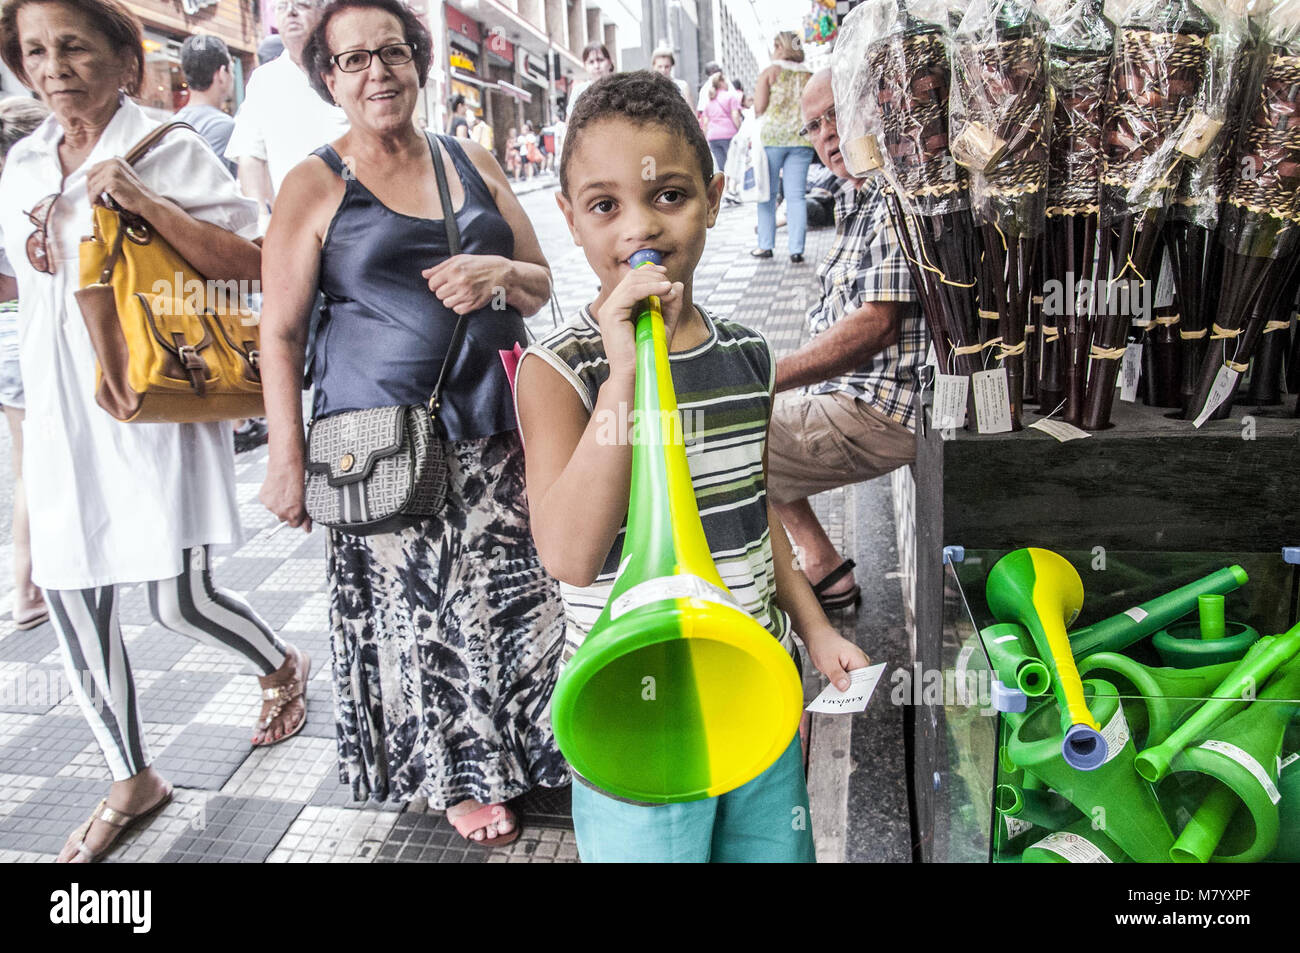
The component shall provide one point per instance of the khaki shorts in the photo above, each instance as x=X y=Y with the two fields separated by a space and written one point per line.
x=818 y=442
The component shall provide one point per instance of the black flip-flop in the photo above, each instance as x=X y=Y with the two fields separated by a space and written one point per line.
x=839 y=600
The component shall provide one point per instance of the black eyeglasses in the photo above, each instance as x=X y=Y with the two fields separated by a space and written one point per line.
x=354 y=61
x=814 y=126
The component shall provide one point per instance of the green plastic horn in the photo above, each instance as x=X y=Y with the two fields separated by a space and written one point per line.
x=677 y=693
x=1044 y=809
x=1167 y=693
x=1208 y=640
x=1041 y=591
x=1078 y=843
x=1112 y=796
x=1288 y=838
x=1238 y=820
x=1264 y=658
x=1006 y=646
x=1132 y=625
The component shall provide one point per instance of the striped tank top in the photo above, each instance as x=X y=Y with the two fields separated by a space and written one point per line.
x=724 y=395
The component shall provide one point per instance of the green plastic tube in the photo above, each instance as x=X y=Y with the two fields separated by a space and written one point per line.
x=1238 y=822
x=1167 y=693
x=1079 y=843
x=1264 y=658
x=1288 y=836
x=1120 y=631
x=1183 y=644
x=1210 y=612
x=1007 y=646
x=1112 y=796
x=1045 y=809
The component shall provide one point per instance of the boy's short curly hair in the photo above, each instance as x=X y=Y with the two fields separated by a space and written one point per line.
x=643 y=97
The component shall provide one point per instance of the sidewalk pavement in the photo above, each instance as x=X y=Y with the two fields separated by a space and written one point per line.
x=543 y=180
x=285 y=803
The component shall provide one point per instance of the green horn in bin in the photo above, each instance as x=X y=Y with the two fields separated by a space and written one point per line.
x=1079 y=843
x=1264 y=658
x=1006 y=645
x=1112 y=796
x=1167 y=693
x=1041 y=591
x=1238 y=819
x=1045 y=809
x=1208 y=640
x=1132 y=625
x=1288 y=837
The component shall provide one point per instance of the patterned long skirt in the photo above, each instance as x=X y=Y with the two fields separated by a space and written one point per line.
x=446 y=638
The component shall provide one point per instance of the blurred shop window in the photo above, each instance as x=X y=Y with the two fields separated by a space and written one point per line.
x=164 y=83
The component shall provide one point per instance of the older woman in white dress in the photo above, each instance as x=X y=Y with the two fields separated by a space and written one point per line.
x=114 y=503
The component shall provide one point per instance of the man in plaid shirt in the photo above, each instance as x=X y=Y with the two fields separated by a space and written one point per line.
x=846 y=414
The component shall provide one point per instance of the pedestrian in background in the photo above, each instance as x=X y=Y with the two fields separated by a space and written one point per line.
x=663 y=61
x=481 y=132
x=281 y=119
x=445 y=634
x=19 y=117
x=776 y=100
x=721 y=118
x=206 y=63
x=458 y=126
x=597 y=62
x=512 y=153
x=116 y=503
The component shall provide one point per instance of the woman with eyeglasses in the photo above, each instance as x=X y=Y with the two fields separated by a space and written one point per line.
x=445 y=634
x=116 y=503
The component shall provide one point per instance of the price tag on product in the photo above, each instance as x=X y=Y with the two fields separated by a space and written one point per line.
x=1225 y=385
x=1130 y=371
x=1165 y=286
x=949 y=410
x=992 y=400
x=1059 y=429
x=862 y=683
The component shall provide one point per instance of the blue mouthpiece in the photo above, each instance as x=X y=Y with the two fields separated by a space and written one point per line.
x=645 y=255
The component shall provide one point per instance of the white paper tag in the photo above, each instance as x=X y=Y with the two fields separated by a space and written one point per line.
x=1225 y=384
x=862 y=684
x=992 y=400
x=1284 y=763
x=1075 y=849
x=949 y=401
x=1115 y=734
x=1247 y=761
x=1015 y=826
x=1059 y=429
x=1005 y=638
x=1165 y=286
x=669 y=587
x=1137 y=613
x=1130 y=370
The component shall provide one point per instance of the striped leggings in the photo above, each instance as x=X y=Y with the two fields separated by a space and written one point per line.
x=96 y=663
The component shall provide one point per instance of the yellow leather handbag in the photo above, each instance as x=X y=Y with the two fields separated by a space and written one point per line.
x=172 y=345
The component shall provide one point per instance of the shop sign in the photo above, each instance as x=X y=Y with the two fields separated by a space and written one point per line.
x=462 y=62
x=498 y=44
x=192 y=7
x=533 y=67
x=457 y=22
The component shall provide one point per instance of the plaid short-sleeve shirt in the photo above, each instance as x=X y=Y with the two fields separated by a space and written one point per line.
x=866 y=263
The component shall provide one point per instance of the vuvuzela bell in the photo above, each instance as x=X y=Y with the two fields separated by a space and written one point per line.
x=677 y=693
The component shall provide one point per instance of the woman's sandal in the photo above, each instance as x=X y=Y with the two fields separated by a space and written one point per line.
x=31 y=619
x=838 y=600
x=281 y=694
x=119 y=820
x=467 y=824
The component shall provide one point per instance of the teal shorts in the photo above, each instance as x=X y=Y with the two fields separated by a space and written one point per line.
x=764 y=821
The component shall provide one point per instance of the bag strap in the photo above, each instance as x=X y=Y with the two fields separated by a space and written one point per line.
x=453 y=248
x=151 y=141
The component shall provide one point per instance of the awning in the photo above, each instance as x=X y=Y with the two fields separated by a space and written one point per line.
x=460 y=77
x=511 y=90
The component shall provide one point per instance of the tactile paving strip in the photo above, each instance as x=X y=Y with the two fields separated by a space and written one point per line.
x=333 y=834
x=177 y=696
x=204 y=756
x=235 y=830
x=289 y=771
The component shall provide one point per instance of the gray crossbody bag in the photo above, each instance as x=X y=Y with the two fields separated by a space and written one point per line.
x=381 y=470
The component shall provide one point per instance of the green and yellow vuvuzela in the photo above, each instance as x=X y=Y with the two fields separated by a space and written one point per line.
x=677 y=693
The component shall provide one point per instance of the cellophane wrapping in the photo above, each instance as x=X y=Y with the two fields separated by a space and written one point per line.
x=1080 y=42
x=1001 y=112
x=1161 y=112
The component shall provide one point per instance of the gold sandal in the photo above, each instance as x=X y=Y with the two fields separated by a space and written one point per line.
x=120 y=820
x=292 y=688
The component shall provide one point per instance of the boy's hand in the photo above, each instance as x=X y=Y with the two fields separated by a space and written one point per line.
x=617 y=316
x=835 y=656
